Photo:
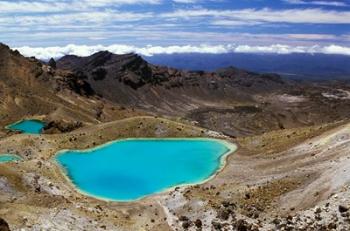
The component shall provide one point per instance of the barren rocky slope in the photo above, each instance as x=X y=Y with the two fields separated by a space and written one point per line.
x=230 y=100
x=293 y=180
x=289 y=173
x=29 y=88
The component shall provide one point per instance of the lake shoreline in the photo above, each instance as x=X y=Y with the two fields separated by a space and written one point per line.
x=231 y=148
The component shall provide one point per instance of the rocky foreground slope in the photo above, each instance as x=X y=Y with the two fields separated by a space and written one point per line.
x=291 y=180
x=289 y=173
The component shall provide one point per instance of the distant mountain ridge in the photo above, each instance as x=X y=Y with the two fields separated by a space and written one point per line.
x=129 y=79
x=105 y=86
x=294 y=66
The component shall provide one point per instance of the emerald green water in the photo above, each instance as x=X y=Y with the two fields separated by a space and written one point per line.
x=131 y=169
x=4 y=158
x=27 y=126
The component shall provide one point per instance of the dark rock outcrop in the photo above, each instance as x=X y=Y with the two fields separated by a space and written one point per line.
x=343 y=209
x=3 y=225
x=61 y=126
x=99 y=74
x=52 y=63
x=74 y=82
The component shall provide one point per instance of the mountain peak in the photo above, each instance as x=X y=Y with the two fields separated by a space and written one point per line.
x=2 y=45
x=4 y=48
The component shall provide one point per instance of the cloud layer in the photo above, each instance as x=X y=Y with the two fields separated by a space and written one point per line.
x=57 y=52
x=320 y=3
x=174 y=22
x=266 y=15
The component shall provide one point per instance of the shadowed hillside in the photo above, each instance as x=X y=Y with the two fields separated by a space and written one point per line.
x=230 y=100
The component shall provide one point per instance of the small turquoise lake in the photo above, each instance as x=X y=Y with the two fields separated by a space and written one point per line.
x=131 y=169
x=4 y=158
x=27 y=126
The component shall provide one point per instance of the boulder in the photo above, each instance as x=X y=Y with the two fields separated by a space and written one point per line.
x=343 y=208
x=198 y=223
x=3 y=225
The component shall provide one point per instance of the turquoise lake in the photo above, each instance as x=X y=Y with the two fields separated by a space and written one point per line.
x=4 y=158
x=27 y=126
x=131 y=169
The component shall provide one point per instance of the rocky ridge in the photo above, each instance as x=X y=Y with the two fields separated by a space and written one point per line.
x=230 y=100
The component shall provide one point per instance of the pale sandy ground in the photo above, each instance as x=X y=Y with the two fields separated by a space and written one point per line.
x=34 y=195
x=321 y=165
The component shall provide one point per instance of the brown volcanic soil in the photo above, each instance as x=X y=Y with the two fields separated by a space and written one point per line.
x=29 y=88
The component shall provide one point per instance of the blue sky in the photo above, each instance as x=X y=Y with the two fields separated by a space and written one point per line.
x=306 y=25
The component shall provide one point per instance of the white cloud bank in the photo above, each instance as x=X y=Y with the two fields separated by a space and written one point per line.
x=45 y=53
x=321 y=3
x=46 y=6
